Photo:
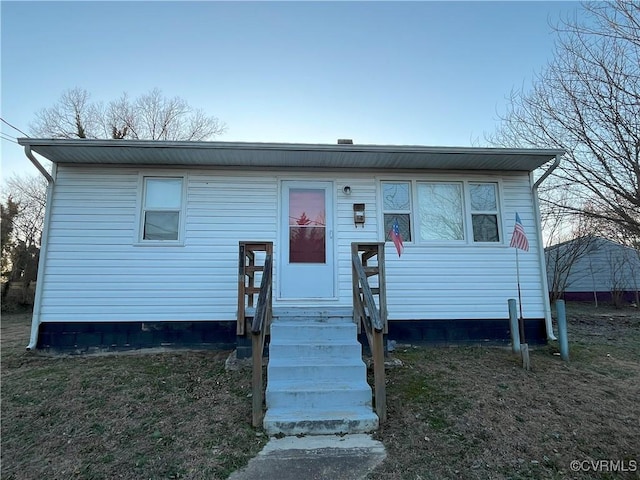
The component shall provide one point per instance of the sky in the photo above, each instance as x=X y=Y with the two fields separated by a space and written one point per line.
x=387 y=73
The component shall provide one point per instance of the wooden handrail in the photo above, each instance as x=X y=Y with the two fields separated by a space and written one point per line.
x=367 y=313
x=263 y=308
x=368 y=302
x=259 y=326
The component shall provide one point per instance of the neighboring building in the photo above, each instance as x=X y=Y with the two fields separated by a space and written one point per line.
x=593 y=269
x=140 y=243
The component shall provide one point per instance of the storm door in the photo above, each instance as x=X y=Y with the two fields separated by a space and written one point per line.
x=306 y=245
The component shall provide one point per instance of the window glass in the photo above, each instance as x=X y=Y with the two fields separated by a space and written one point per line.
x=161 y=225
x=485 y=228
x=307 y=225
x=403 y=225
x=484 y=212
x=163 y=193
x=396 y=196
x=483 y=196
x=440 y=208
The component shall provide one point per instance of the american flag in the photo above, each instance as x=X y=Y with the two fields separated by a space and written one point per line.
x=519 y=238
x=394 y=233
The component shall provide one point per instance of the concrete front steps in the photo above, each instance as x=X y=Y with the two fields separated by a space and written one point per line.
x=316 y=379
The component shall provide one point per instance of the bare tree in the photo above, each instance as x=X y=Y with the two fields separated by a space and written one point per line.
x=587 y=101
x=566 y=253
x=151 y=116
x=622 y=266
x=8 y=211
x=30 y=193
x=73 y=116
x=26 y=200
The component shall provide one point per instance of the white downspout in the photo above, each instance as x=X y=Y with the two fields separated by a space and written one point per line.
x=543 y=264
x=35 y=321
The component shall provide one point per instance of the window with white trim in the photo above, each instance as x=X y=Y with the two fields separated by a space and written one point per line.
x=461 y=211
x=484 y=211
x=161 y=209
x=396 y=206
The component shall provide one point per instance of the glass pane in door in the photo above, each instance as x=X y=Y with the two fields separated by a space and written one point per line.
x=307 y=225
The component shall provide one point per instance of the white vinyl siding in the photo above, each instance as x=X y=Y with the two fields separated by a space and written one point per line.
x=96 y=272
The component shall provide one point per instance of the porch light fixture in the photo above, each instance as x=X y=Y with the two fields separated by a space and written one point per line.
x=346 y=190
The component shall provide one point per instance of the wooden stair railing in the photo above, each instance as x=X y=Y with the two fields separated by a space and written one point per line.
x=261 y=321
x=372 y=317
x=259 y=328
x=247 y=289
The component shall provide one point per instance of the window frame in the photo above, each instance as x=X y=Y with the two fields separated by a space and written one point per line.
x=495 y=212
x=410 y=211
x=142 y=210
x=415 y=221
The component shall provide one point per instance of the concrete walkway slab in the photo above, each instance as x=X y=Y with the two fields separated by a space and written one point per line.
x=348 y=457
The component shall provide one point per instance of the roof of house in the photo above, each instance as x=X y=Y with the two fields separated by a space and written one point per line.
x=594 y=240
x=249 y=154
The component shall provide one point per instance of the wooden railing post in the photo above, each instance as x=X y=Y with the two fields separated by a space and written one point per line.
x=257 y=393
x=378 y=375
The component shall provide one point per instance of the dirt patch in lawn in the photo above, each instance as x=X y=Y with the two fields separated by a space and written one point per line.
x=474 y=413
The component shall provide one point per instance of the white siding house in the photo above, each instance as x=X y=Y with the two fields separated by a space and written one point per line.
x=144 y=235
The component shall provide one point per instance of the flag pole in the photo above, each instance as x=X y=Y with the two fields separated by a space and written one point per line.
x=521 y=319
x=524 y=347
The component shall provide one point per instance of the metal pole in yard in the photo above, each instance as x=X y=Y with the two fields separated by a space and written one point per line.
x=562 y=330
x=513 y=326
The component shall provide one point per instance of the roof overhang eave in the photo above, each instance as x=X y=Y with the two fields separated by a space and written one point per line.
x=243 y=154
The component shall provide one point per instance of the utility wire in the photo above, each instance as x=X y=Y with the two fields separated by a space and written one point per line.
x=15 y=128
x=4 y=136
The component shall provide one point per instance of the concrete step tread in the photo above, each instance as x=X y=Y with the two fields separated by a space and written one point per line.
x=314 y=320
x=329 y=322
x=320 y=421
x=331 y=361
x=347 y=342
x=314 y=358
x=326 y=386
x=294 y=326
x=350 y=413
x=284 y=311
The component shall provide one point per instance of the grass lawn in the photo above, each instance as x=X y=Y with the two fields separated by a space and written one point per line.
x=136 y=416
x=474 y=413
x=465 y=412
